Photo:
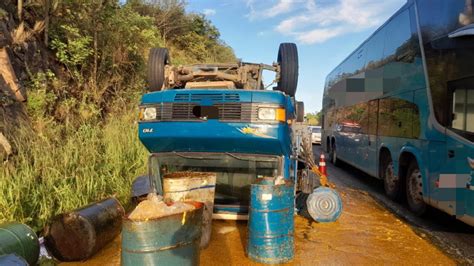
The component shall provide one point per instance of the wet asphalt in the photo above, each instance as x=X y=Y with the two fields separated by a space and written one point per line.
x=449 y=235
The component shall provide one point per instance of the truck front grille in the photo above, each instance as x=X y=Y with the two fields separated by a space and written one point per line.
x=231 y=112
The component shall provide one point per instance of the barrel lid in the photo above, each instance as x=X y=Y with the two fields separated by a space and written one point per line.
x=324 y=205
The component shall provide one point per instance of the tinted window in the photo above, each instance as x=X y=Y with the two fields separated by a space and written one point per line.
x=354 y=119
x=463 y=109
x=373 y=117
x=398 y=118
x=403 y=69
x=316 y=130
x=375 y=48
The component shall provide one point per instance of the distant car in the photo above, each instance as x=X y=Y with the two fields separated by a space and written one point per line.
x=316 y=134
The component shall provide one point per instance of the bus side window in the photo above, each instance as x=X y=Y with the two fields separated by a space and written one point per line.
x=463 y=110
x=373 y=117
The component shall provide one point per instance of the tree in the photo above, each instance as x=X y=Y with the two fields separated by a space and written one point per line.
x=314 y=119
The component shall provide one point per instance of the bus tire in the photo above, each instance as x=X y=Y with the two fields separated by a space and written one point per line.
x=157 y=60
x=391 y=181
x=288 y=62
x=333 y=155
x=414 y=190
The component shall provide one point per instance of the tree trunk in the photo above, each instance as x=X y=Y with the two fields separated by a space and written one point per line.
x=47 y=9
x=20 y=10
x=5 y=145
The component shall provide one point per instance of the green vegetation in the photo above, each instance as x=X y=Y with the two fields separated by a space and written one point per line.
x=314 y=119
x=81 y=143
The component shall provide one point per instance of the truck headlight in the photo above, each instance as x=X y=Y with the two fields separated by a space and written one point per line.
x=148 y=113
x=271 y=114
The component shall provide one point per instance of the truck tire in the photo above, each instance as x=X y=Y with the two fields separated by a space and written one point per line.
x=414 y=190
x=157 y=60
x=299 y=111
x=288 y=61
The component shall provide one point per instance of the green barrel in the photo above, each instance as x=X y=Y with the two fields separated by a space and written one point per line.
x=168 y=240
x=19 y=239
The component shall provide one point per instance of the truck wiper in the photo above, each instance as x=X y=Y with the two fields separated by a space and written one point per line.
x=194 y=157
x=247 y=159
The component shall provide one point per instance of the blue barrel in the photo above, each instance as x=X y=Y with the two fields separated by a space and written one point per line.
x=324 y=205
x=12 y=260
x=271 y=224
x=168 y=240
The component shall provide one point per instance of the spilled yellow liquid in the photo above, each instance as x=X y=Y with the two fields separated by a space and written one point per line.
x=365 y=234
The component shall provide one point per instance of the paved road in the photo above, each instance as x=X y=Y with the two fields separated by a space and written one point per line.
x=454 y=238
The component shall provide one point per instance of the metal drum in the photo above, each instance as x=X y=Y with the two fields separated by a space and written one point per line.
x=81 y=233
x=19 y=239
x=12 y=260
x=271 y=224
x=324 y=205
x=168 y=240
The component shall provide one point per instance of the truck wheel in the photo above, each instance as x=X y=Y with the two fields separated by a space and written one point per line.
x=299 y=111
x=157 y=60
x=391 y=181
x=288 y=61
x=414 y=190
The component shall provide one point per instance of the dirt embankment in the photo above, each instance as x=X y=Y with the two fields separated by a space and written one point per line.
x=22 y=55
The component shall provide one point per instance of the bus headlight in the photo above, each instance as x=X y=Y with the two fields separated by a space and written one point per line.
x=271 y=114
x=148 y=113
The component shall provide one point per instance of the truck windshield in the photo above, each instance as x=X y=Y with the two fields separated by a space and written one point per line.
x=235 y=172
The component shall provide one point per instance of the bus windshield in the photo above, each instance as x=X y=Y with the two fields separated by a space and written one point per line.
x=450 y=61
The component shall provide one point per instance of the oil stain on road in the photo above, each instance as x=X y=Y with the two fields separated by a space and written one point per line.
x=366 y=233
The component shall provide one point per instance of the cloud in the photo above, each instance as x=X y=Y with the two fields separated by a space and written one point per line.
x=209 y=12
x=316 y=21
x=260 y=10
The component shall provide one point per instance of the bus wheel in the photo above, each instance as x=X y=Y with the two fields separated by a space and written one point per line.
x=288 y=61
x=391 y=181
x=333 y=154
x=157 y=60
x=414 y=190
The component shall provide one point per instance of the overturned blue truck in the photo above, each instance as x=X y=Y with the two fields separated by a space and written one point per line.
x=221 y=118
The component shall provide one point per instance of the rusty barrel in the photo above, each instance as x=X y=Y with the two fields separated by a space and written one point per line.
x=193 y=186
x=167 y=240
x=19 y=239
x=271 y=224
x=79 y=234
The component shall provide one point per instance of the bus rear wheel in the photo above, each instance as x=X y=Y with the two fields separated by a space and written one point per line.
x=391 y=181
x=333 y=155
x=414 y=190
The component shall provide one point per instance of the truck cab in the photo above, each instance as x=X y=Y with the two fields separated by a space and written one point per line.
x=219 y=118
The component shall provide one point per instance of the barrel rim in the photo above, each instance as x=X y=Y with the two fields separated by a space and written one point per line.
x=197 y=206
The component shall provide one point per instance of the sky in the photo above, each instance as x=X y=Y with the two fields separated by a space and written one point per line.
x=325 y=31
